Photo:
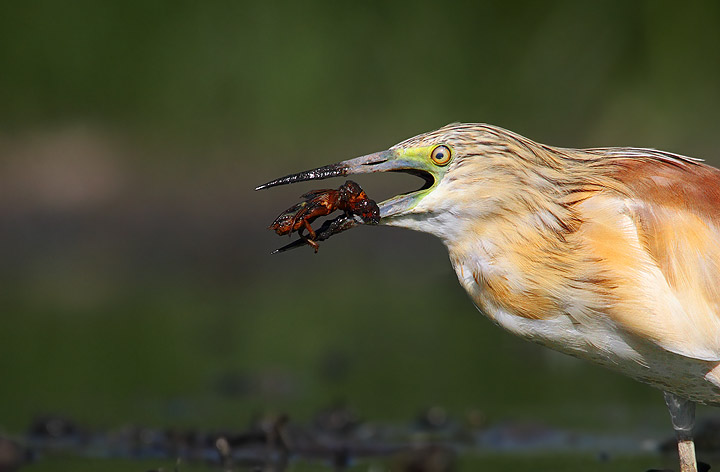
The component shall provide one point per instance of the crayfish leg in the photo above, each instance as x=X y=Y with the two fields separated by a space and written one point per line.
x=311 y=235
x=312 y=243
x=311 y=232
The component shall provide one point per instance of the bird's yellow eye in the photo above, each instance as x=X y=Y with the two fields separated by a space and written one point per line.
x=440 y=155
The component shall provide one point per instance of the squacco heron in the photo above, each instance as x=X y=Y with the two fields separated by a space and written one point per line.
x=609 y=254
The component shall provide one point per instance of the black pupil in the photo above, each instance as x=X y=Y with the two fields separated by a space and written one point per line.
x=439 y=156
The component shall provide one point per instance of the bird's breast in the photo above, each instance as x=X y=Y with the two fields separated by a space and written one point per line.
x=598 y=293
x=530 y=272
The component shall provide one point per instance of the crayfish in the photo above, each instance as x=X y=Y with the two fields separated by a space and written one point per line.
x=349 y=197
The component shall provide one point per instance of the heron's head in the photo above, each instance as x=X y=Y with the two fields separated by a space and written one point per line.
x=469 y=171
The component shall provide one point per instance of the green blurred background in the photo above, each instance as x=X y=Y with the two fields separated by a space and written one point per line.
x=137 y=285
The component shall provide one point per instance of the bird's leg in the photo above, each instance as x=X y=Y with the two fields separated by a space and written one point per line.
x=682 y=414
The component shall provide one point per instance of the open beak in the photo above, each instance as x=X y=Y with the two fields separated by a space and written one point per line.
x=384 y=161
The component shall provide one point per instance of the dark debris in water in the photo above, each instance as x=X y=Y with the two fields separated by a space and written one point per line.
x=336 y=437
x=12 y=455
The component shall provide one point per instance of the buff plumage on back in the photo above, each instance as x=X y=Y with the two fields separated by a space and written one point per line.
x=676 y=210
x=622 y=235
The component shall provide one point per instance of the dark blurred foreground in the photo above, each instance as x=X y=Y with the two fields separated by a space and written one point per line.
x=137 y=286
x=338 y=439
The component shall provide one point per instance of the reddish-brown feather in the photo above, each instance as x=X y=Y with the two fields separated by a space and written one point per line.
x=677 y=211
x=693 y=187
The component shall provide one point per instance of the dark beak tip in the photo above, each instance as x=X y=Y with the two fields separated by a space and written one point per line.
x=326 y=172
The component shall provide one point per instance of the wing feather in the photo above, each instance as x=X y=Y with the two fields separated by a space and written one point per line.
x=675 y=207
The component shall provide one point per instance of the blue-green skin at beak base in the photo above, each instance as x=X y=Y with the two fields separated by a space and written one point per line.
x=412 y=160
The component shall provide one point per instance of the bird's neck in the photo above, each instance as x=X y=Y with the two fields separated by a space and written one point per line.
x=519 y=264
